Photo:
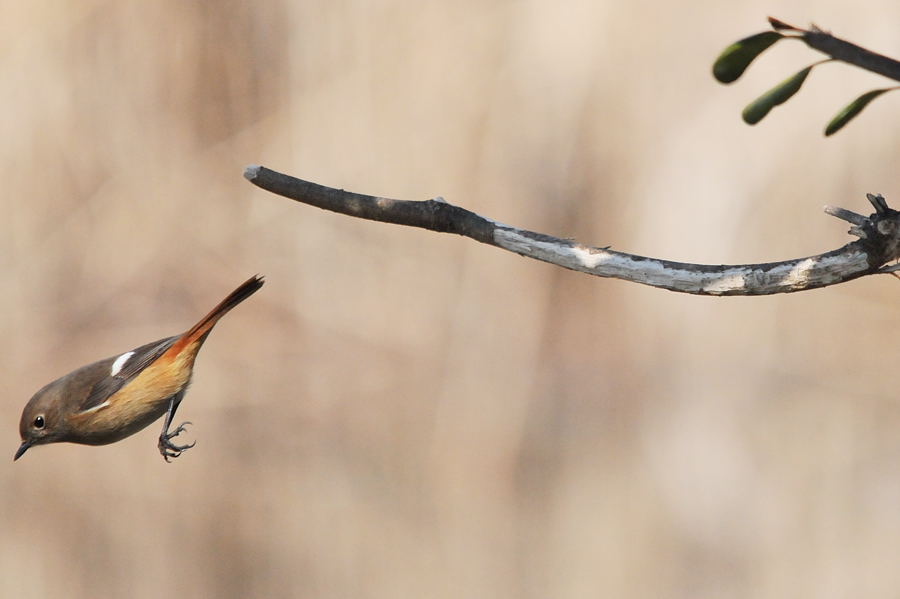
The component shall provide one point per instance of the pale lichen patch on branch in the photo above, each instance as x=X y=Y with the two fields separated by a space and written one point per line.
x=750 y=279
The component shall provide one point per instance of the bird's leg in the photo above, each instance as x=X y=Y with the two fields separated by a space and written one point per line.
x=166 y=448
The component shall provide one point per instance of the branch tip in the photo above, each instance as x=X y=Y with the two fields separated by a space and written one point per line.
x=847 y=215
x=251 y=171
x=877 y=200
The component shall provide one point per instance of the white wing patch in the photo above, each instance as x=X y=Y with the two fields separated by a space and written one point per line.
x=119 y=363
x=95 y=408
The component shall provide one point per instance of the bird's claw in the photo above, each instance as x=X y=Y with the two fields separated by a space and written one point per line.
x=170 y=450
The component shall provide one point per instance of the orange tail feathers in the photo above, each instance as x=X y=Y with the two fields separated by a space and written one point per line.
x=202 y=328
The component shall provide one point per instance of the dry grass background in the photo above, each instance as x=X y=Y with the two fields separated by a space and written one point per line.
x=404 y=414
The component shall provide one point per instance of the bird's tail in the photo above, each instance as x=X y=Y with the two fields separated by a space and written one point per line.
x=202 y=328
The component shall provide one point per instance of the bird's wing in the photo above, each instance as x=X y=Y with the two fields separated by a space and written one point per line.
x=124 y=368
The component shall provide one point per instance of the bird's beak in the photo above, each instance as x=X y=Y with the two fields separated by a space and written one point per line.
x=22 y=449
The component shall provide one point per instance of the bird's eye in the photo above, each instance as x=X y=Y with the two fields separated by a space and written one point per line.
x=39 y=422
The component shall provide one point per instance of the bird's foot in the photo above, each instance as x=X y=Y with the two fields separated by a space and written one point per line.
x=170 y=450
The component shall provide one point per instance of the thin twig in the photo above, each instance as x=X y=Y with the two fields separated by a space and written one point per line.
x=879 y=243
x=847 y=215
x=842 y=50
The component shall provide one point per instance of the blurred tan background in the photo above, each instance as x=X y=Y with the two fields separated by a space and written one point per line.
x=404 y=414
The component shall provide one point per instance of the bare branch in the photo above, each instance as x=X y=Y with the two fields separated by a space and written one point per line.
x=879 y=243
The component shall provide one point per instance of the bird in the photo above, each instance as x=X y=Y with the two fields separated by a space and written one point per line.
x=111 y=399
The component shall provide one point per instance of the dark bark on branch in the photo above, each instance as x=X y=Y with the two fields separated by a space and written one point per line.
x=842 y=50
x=433 y=215
x=878 y=244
